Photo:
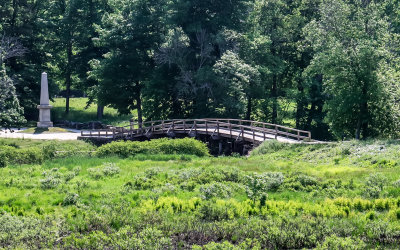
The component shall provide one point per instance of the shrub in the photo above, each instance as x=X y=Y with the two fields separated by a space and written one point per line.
x=259 y=184
x=215 y=189
x=374 y=185
x=26 y=232
x=50 y=182
x=3 y=160
x=21 y=156
x=110 y=169
x=187 y=146
x=70 y=199
x=335 y=242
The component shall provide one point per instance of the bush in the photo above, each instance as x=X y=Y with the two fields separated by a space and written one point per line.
x=335 y=242
x=50 y=182
x=20 y=156
x=159 y=146
x=215 y=189
x=374 y=185
x=259 y=184
x=70 y=199
x=108 y=170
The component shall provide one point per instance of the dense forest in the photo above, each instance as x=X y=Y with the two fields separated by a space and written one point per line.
x=329 y=66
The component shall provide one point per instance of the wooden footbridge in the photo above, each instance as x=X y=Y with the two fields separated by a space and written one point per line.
x=233 y=129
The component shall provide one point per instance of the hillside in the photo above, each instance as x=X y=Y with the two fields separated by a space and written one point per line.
x=282 y=196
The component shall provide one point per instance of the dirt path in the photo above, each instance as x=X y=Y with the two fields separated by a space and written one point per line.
x=73 y=135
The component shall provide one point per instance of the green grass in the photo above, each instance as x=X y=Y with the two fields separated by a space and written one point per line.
x=61 y=145
x=44 y=130
x=324 y=199
x=79 y=112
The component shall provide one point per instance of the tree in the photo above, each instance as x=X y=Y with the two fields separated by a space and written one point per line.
x=352 y=45
x=11 y=113
x=132 y=34
x=238 y=79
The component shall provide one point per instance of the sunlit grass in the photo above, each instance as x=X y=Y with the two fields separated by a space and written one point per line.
x=79 y=112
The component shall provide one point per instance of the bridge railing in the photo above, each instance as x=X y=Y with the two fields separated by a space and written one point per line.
x=241 y=129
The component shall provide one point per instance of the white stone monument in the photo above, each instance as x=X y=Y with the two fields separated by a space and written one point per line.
x=44 y=107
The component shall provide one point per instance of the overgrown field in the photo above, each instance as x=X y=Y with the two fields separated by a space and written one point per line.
x=170 y=194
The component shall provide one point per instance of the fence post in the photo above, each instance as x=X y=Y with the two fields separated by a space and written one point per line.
x=206 y=128
x=195 y=126
x=184 y=126
x=254 y=136
x=113 y=130
x=218 y=127
x=276 y=132
x=298 y=135
x=264 y=130
x=242 y=130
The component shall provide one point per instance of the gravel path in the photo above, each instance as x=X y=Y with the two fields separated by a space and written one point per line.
x=73 y=135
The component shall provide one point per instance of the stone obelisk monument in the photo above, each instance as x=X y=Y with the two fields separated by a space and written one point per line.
x=44 y=107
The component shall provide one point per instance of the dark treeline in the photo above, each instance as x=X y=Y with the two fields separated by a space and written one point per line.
x=328 y=66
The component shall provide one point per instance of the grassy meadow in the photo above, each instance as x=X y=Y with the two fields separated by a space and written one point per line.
x=79 y=112
x=172 y=195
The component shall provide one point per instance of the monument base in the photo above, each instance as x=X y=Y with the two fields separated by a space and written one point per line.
x=44 y=116
x=44 y=124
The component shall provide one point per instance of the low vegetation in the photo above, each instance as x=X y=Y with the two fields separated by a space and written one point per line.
x=331 y=196
x=80 y=112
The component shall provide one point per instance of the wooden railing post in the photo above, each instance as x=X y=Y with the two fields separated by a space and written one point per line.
x=230 y=129
x=218 y=128
x=264 y=130
x=152 y=126
x=184 y=126
x=276 y=132
x=195 y=126
x=254 y=135
x=206 y=128
x=113 y=130
x=131 y=124
x=162 y=125
x=242 y=131
x=173 y=125
x=298 y=135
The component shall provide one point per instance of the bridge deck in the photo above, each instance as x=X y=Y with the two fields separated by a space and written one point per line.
x=250 y=131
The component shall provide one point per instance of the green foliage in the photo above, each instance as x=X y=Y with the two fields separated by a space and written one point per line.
x=11 y=113
x=160 y=146
x=357 y=66
x=259 y=184
x=216 y=189
x=374 y=185
x=335 y=242
x=293 y=197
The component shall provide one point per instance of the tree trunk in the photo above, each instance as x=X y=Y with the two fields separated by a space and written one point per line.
x=14 y=17
x=100 y=111
x=300 y=104
x=274 y=94
x=364 y=113
x=68 y=76
x=249 y=108
x=139 y=104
